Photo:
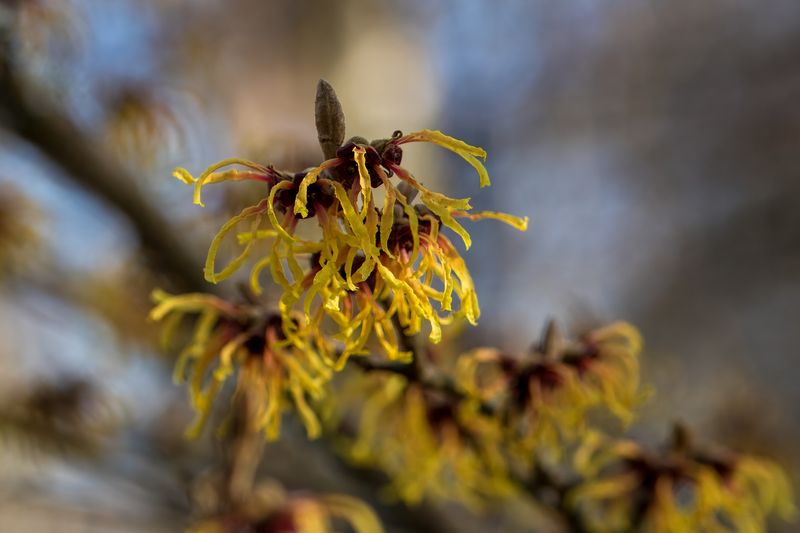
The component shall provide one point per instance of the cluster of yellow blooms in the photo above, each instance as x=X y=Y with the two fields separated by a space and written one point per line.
x=271 y=365
x=475 y=441
x=370 y=266
x=501 y=412
x=365 y=252
x=679 y=490
x=380 y=269
x=546 y=397
x=430 y=443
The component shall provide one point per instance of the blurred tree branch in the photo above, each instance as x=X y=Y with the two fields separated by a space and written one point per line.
x=31 y=117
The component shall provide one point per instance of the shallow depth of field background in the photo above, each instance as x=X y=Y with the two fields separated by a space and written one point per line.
x=655 y=148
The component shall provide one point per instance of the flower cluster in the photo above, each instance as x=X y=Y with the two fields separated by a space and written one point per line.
x=546 y=395
x=430 y=443
x=371 y=263
x=474 y=436
x=372 y=269
x=680 y=489
x=274 y=363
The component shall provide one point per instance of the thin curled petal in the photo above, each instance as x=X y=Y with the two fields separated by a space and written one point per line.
x=276 y=268
x=191 y=302
x=302 y=192
x=209 y=270
x=520 y=223
x=444 y=213
x=363 y=176
x=207 y=175
x=183 y=175
x=439 y=198
x=273 y=218
x=468 y=152
x=226 y=356
x=255 y=272
x=440 y=204
x=348 y=268
x=310 y=420
x=203 y=330
x=244 y=238
x=321 y=279
x=270 y=419
x=202 y=399
x=354 y=219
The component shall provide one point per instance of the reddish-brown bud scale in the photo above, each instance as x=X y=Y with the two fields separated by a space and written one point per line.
x=392 y=155
x=547 y=376
x=347 y=173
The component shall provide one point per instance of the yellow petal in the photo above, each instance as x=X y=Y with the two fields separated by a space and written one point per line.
x=520 y=223
x=468 y=152
x=205 y=177
x=310 y=178
x=183 y=175
x=255 y=285
x=209 y=270
x=244 y=238
x=226 y=356
x=310 y=420
x=443 y=212
x=271 y=209
x=363 y=177
x=191 y=302
x=354 y=220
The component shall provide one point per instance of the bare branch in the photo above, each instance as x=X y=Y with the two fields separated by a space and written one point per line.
x=35 y=120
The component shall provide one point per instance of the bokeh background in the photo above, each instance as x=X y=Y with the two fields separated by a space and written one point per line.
x=654 y=146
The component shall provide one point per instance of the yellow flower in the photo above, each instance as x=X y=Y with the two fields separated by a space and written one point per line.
x=608 y=365
x=547 y=396
x=362 y=297
x=371 y=263
x=274 y=358
x=428 y=443
x=679 y=490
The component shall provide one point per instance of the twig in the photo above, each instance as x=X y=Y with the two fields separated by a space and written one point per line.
x=544 y=485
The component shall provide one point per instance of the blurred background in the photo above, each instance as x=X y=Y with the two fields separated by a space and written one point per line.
x=654 y=146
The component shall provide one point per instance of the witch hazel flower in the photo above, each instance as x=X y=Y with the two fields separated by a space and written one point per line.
x=373 y=262
x=262 y=352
